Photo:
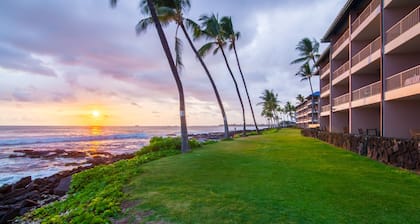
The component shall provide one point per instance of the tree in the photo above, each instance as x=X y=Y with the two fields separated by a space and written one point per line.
x=300 y=98
x=212 y=30
x=270 y=105
x=232 y=36
x=289 y=109
x=184 y=132
x=306 y=73
x=173 y=11
x=308 y=52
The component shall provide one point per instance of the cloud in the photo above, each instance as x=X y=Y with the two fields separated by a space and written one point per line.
x=92 y=53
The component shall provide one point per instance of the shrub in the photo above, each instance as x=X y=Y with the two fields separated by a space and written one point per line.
x=166 y=143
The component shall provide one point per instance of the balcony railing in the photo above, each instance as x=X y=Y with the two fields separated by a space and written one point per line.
x=405 y=78
x=365 y=52
x=341 y=70
x=325 y=88
x=367 y=91
x=341 y=40
x=403 y=25
x=365 y=14
x=342 y=99
x=325 y=108
x=324 y=69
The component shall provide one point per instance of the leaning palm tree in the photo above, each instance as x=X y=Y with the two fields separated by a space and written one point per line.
x=232 y=36
x=306 y=73
x=173 y=11
x=184 y=133
x=308 y=51
x=212 y=30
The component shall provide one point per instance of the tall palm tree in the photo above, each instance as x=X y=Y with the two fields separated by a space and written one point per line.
x=270 y=105
x=211 y=29
x=308 y=51
x=289 y=110
x=300 y=98
x=184 y=132
x=173 y=10
x=232 y=36
x=306 y=73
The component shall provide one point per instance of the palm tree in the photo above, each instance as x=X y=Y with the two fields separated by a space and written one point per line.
x=289 y=109
x=306 y=73
x=270 y=106
x=211 y=29
x=232 y=36
x=170 y=10
x=308 y=51
x=184 y=132
x=300 y=98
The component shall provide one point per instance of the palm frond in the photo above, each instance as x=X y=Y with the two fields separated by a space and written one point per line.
x=113 y=3
x=204 y=50
x=143 y=24
x=178 y=51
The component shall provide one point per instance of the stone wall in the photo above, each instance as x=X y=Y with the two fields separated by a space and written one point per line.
x=404 y=153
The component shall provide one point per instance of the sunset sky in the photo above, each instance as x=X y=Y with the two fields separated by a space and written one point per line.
x=80 y=62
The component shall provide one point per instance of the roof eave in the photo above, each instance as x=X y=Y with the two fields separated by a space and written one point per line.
x=336 y=21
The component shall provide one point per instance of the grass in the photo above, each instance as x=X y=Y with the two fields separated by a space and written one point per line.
x=278 y=177
x=275 y=178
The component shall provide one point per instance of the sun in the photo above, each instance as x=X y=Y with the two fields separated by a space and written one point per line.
x=96 y=113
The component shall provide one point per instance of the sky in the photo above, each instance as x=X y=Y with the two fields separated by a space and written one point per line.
x=80 y=62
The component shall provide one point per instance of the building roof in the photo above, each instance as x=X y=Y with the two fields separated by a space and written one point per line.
x=339 y=19
x=317 y=93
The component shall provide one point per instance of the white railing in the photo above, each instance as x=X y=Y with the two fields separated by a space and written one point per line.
x=325 y=88
x=341 y=40
x=367 y=51
x=342 y=99
x=403 y=25
x=324 y=69
x=405 y=78
x=343 y=68
x=325 y=108
x=367 y=91
x=365 y=14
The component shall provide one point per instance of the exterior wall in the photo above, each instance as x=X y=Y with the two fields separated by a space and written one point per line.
x=400 y=116
x=370 y=107
x=365 y=118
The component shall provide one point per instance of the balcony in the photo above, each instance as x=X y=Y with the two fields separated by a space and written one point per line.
x=403 y=84
x=325 y=91
x=341 y=102
x=325 y=71
x=341 y=43
x=326 y=110
x=367 y=55
x=367 y=95
x=405 y=34
x=341 y=73
x=366 y=17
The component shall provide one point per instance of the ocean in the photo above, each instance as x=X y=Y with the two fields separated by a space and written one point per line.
x=87 y=141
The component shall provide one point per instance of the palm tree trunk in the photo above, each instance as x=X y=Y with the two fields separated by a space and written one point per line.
x=184 y=133
x=246 y=88
x=216 y=92
x=237 y=88
x=312 y=98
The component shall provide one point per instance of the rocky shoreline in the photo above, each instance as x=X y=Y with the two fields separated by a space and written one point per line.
x=18 y=198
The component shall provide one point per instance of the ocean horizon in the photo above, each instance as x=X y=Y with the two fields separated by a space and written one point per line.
x=91 y=141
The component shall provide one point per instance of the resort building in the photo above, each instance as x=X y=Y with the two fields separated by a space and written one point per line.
x=305 y=116
x=370 y=74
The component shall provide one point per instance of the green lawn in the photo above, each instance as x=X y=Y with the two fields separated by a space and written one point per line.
x=274 y=178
